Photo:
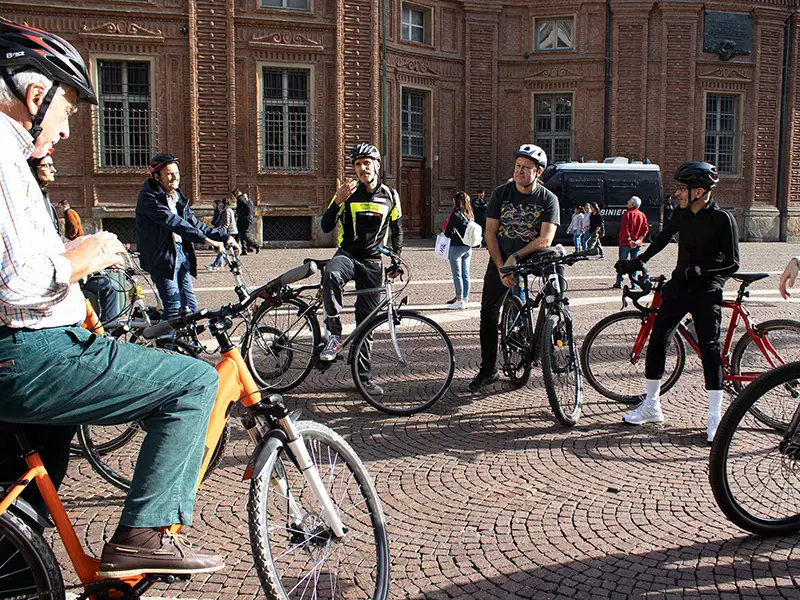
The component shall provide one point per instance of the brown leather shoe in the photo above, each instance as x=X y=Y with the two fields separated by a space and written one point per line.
x=132 y=551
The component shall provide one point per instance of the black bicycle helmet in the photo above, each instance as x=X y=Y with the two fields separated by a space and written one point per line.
x=534 y=153
x=364 y=151
x=159 y=161
x=24 y=48
x=696 y=174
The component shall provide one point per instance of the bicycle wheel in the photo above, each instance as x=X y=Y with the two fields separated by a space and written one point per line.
x=561 y=367
x=783 y=336
x=296 y=554
x=279 y=347
x=606 y=358
x=516 y=334
x=28 y=566
x=411 y=363
x=117 y=466
x=753 y=468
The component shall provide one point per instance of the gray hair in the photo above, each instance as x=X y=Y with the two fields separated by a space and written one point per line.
x=23 y=81
x=637 y=202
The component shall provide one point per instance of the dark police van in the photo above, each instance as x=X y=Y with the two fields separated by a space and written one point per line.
x=610 y=183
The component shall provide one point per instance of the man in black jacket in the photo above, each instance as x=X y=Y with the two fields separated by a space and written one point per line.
x=165 y=230
x=708 y=253
x=368 y=212
x=245 y=217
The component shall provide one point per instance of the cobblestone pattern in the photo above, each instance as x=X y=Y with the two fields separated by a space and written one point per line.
x=487 y=497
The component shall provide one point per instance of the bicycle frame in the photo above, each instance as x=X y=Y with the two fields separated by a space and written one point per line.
x=236 y=384
x=740 y=312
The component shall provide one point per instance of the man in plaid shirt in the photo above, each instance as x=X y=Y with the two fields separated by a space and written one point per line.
x=53 y=372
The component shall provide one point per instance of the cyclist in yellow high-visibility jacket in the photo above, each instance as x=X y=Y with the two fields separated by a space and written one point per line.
x=369 y=213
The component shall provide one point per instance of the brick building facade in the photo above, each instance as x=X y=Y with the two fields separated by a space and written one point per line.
x=267 y=95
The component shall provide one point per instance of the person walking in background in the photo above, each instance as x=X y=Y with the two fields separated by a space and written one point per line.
x=632 y=231
x=227 y=223
x=587 y=213
x=460 y=253
x=245 y=217
x=479 y=206
x=576 y=228
x=73 y=229
x=596 y=229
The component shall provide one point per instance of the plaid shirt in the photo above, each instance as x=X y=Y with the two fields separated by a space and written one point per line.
x=34 y=276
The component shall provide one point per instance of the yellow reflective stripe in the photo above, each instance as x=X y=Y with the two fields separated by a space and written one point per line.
x=357 y=207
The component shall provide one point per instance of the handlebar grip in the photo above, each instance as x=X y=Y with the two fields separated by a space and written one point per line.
x=508 y=269
x=157 y=330
x=297 y=274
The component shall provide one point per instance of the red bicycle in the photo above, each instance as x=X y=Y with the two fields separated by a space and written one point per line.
x=614 y=351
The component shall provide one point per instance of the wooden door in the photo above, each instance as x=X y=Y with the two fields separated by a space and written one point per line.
x=412 y=197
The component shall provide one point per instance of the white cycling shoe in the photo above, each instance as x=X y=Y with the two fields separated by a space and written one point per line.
x=644 y=413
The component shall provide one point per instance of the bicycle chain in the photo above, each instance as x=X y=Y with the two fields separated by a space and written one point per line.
x=98 y=589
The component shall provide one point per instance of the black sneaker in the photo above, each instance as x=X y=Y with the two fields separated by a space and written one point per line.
x=453 y=301
x=481 y=382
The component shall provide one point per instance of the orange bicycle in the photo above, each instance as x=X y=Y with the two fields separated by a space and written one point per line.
x=316 y=524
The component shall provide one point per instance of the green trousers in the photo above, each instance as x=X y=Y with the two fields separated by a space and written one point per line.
x=69 y=376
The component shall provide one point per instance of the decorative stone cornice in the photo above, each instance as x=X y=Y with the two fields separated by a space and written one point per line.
x=416 y=66
x=122 y=29
x=286 y=40
x=727 y=73
x=560 y=72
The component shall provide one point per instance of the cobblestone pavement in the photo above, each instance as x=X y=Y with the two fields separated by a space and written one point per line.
x=487 y=496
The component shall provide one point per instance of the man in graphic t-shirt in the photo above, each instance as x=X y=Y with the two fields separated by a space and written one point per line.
x=521 y=219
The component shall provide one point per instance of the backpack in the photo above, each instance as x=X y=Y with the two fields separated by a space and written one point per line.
x=473 y=234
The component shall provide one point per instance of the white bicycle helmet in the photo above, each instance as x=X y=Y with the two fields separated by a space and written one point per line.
x=534 y=153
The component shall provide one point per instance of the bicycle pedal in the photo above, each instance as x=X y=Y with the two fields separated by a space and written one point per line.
x=168 y=578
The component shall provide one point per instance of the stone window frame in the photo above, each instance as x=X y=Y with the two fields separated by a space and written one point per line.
x=552 y=135
x=428 y=15
x=308 y=8
x=736 y=134
x=555 y=20
x=96 y=59
x=312 y=116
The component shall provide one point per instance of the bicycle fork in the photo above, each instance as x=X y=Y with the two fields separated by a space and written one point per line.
x=393 y=327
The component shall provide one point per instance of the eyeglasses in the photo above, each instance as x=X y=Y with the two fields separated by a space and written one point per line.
x=681 y=188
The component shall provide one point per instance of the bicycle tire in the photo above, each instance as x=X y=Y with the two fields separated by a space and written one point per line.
x=605 y=356
x=755 y=362
x=278 y=362
x=27 y=557
x=754 y=482
x=516 y=334
x=309 y=542
x=561 y=367
x=429 y=362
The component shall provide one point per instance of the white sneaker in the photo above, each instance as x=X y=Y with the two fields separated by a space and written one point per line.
x=457 y=305
x=464 y=304
x=712 y=425
x=644 y=414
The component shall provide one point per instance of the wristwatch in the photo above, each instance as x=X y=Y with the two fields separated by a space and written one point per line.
x=516 y=256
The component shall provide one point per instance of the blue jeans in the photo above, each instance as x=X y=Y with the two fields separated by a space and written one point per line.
x=627 y=253
x=219 y=260
x=577 y=240
x=66 y=376
x=177 y=292
x=460 y=257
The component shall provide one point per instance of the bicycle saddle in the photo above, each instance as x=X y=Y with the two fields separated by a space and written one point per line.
x=320 y=263
x=749 y=277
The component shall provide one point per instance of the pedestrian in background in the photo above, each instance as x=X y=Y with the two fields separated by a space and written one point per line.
x=632 y=231
x=227 y=223
x=596 y=229
x=245 y=217
x=576 y=228
x=479 y=206
x=460 y=253
x=73 y=229
x=587 y=213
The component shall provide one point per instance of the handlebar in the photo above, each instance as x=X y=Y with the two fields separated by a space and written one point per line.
x=646 y=285
x=547 y=258
x=273 y=286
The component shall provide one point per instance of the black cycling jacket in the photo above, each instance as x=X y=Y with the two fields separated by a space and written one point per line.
x=709 y=239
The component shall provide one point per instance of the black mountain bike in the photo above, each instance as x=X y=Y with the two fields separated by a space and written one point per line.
x=552 y=340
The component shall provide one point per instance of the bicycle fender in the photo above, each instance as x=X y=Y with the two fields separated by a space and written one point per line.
x=20 y=508
x=271 y=442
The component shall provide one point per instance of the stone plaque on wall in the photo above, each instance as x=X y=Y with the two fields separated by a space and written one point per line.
x=727 y=34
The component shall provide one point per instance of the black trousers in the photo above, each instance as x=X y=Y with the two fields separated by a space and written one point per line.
x=245 y=240
x=491 y=298
x=705 y=306
x=340 y=270
x=52 y=442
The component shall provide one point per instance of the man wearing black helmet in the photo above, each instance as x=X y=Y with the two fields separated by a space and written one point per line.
x=708 y=253
x=165 y=229
x=368 y=212
x=522 y=218
x=54 y=373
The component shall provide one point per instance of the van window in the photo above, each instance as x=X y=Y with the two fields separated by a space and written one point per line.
x=583 y=188
x=619 y=191
x=650 y=192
